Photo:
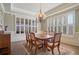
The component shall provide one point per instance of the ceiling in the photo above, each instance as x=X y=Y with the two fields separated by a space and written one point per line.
x=34 y=7
x=31 y=8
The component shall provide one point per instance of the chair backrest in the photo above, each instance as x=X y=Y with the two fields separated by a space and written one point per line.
x=28 y=37
x=32 y=35
x=51 y=33
x=57 y=38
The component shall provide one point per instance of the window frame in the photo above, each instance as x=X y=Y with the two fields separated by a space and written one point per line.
x=67 y=25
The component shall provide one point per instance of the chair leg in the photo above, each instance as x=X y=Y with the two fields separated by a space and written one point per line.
x=59 y=50
x=30 y=47
x=35 y=49
x=52 y=51
x=27 y=43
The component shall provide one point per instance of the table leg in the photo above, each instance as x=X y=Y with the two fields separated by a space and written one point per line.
x=44 y=46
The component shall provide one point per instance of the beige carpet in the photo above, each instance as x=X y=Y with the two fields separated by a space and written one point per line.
x=64 y=51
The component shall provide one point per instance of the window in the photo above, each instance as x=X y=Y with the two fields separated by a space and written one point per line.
x=26 y=29
x=70 y=19
x=25 y=25
x=26 y=21
x=22 y=21
x=30 y=22
x=64 y=29
x=17 y=29
x=70 y=30
x=63 y=23
x=70 y=23
x=18 y=21
x=59 y=28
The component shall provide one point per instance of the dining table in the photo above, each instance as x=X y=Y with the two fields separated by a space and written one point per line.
x=44 y=38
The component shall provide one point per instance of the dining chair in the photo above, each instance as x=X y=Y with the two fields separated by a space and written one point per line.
x=54 y=42
x=28 y=40
x=35 y=42
x=52 y=33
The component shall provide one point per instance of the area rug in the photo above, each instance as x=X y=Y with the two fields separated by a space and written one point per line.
x=64 y=51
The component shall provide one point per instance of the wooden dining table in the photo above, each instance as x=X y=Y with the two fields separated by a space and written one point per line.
x=44 y=38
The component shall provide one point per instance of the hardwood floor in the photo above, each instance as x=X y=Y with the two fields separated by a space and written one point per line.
x=17 y=48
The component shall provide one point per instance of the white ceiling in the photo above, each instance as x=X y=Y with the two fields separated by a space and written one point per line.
x=29 y=8
x=34 y=7
x=7 y=6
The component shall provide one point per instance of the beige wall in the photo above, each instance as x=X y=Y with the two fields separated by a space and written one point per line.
x=9 y=20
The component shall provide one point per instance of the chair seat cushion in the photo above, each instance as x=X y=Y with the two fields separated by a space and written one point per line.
x=51 y=44
x=38 y=42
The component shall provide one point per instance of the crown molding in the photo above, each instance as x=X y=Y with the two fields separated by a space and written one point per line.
x=73 y=6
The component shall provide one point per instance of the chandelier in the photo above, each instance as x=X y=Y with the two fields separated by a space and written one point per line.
x=41 y=15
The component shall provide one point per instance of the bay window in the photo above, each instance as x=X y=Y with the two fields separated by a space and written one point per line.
x=63 y=23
